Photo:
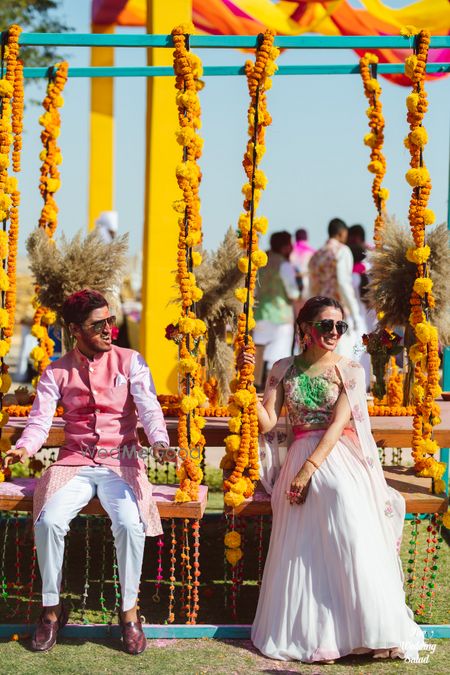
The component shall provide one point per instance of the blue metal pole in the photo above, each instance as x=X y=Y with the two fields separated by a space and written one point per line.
x=231 y=41
x=167 y=71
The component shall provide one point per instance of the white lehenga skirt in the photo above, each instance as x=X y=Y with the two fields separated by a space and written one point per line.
x=331 y=585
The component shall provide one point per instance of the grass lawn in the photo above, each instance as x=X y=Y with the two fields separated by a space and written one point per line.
x=194 y=656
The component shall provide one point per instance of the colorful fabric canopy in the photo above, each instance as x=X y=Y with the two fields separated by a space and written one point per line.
x=294 y=17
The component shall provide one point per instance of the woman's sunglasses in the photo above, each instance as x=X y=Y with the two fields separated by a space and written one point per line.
x=326 y=326
x=98 y=326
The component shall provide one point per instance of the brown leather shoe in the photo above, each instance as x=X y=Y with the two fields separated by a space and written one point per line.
x=134 y=640
x=44 y=637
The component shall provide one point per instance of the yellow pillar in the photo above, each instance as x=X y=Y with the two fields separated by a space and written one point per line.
x=101 y=162
x=160 y=221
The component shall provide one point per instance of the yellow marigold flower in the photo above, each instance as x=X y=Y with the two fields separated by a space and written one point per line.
x=261 y=224
x=446 y=520
x=251 y=323
x=199 y=395
x=5 y=383
x=429 y=216
x=4 y=161
x=196 y=258
x=418 y=255
x=4 y=281
x=233 y=555
x=370 y=140
x=241 y=294
x=184 y=135
x=195 y=436
x=233 y=410
x=181 y=496
x=259 y=258
x=416 y=353
x=410 y=66
x=186 y=325
x=187 y=365
x=243 y=398
x=425 y=332
x=232 y=443
x=435 y=470
x=373 y=85
x=244 y=222
x=53 y=184
x=422 y=286
x=5 y=445
x=49 y=317
x=247 y=190
x=12 y=184
x=369 y=111
x=58 y=158
x=375 y=166
x=197 y=294
x=419 y=137
x=4 y=348
x=4 y=318
x=260 y=179
x=199 y=328
x=232 y=539
x=188 y=403
x=37 y=354
x=2 y=476
x=3 y=244
x=233 y=499
x=243 y=265
x=38 y=331
x=418 y=393
x=412 y=101
x=6 y=88
x=4 y=418
x=194 y=238
x=409 y=30
x=234 y=424
x=200 y=422
x=439 y=486
x=383 y=194
x=417 y=177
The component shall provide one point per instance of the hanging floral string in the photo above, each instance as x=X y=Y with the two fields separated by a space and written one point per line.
x=189 y=331
x=11 y=124
x=49 y=183
x=375 y=139
x=424 y=353
x=242 y=444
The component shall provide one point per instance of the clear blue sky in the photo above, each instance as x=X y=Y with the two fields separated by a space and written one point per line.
x=315 y=160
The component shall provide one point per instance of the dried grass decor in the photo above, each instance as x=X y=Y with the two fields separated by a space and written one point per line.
x=218 y=276
x=392 y=277
x=60 y=269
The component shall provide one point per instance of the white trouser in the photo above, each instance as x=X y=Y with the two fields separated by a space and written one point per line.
x=119 y=502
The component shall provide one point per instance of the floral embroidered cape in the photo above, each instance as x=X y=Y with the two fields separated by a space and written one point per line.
x=274 y=445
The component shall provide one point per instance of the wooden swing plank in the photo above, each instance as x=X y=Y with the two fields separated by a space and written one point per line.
x=163 y=494
x=415 y=490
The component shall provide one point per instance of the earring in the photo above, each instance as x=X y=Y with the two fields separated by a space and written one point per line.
x=305 y=341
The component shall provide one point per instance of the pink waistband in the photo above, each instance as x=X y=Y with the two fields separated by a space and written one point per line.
x=299 y=432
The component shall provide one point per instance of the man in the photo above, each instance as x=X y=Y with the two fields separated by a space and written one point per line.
x=330 y=270
x=277 y=304
x=102 y=389
x=107 y=226
x=300 y=257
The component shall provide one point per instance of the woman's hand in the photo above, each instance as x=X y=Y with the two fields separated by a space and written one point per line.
x=300 y=485
x=245 y=356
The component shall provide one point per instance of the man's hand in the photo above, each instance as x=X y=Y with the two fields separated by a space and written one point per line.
x=13 y=456
x=159 y=451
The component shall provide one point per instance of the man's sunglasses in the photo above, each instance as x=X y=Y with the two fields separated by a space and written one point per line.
x=326 y=326
x=99 y=326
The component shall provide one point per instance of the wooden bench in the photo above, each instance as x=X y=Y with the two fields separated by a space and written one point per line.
x=17 y=495
x=415 y=490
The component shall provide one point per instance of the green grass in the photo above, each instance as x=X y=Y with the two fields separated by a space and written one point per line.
x=186 y=657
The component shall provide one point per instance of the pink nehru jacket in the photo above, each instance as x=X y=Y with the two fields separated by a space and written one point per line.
x=102 y=399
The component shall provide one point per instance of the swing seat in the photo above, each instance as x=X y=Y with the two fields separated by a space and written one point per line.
x=17 y=495
x=415 y=490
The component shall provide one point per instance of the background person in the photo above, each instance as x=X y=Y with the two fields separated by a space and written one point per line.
x=300 y=257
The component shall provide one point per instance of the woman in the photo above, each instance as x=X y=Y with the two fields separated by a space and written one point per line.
x=332 y=582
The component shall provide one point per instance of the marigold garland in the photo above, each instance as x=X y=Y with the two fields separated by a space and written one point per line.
x=189 y=331
x=242 y=444
x=49 y=183
x=424 y=353
x=11 y=125
x=374 y=140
